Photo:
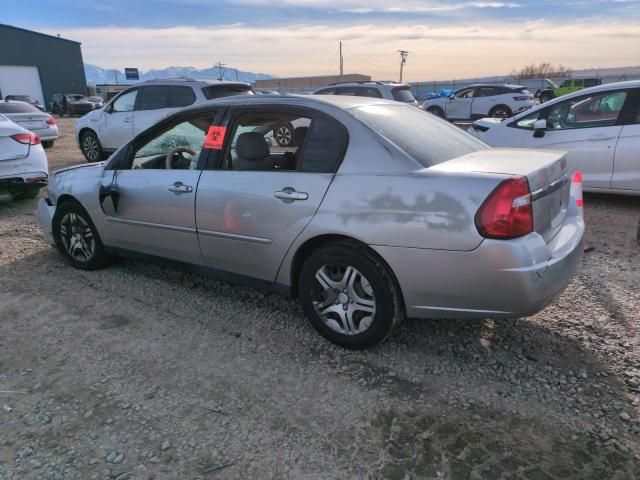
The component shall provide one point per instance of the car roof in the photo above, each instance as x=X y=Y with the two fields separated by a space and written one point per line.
x=367 y=83
x=504 y=85
x=343 y=102
x=189 y=81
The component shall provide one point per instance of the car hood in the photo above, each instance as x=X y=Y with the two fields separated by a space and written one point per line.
x=435 y=101
x=490 y=122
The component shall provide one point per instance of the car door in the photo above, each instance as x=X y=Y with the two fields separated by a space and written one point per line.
x=626 y=165
x=587 y=128
x=458 y=106
x=150 y=208
x=249 y=210
x=157 y=101
x=484 y=99
x=116 y=122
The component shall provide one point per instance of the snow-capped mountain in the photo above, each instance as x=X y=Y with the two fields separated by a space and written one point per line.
x=97 y=75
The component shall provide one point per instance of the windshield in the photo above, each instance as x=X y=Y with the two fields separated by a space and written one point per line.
x=17 y=107
x=23 y=98
x=426 y=138
x=403 y=94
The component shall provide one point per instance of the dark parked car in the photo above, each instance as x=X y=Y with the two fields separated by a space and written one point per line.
x=71 y=104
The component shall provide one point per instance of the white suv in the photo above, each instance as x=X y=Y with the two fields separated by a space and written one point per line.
x=478 y=101
x=400 y=92
x=135 y=109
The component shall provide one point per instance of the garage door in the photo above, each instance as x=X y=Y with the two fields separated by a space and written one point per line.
x=19 y=80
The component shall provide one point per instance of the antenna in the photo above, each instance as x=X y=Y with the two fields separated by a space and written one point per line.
x=220 y=70
x=403 y=61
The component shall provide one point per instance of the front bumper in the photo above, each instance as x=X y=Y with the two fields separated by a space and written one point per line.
x=499 y=279
x=44 y=214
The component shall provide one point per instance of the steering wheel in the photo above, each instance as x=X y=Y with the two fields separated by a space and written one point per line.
x=168 y=163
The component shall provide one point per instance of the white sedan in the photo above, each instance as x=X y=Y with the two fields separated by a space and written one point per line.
x=23 y=163
x=478 y=101
x=599 y=127
x=32 y=118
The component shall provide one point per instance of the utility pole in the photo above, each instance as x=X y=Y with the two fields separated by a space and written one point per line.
x=341 y=62
x=403 y=61
x=115 y=74
x=220 y=70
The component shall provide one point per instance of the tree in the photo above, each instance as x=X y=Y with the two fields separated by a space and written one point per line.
x=542 y=70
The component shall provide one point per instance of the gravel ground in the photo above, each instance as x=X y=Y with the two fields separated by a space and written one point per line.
x=142 y=372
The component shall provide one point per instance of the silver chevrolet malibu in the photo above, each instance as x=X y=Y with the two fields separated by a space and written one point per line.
x=374 y=212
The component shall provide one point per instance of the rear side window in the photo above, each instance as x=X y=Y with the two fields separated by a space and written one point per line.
x=21 y=107
x=403 y=94
x=181 y=96
x=489 y=91
x=219 y=91
x=326 y=91
x=422 y=136
x=154 y=98
x=324 y=147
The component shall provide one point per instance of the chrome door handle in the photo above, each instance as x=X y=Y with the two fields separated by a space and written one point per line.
x=179 y=188
x=289 y=195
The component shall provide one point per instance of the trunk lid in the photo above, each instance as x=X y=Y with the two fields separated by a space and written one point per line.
x=546 y=171
x=30 y=121
x=9 y=148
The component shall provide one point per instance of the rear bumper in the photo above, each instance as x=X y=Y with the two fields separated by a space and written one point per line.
x=44 y=214
x=499 y=279
x=47 y=134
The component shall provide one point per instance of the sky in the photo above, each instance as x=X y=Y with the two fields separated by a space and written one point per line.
x=447 y=39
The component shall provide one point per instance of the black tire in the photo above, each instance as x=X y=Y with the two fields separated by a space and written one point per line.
x=47 y=144
x=545 y=97
x=437 y=111
x=91 y=147
x=500 y=111
x=383 y=293
x=65 y=229
x=283 y=135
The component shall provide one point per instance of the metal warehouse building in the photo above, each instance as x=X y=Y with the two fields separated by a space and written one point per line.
x=39 y=65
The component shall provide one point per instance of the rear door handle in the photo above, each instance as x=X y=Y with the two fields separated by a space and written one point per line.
x=179 y=188
x=289 y=195
x=596 y=138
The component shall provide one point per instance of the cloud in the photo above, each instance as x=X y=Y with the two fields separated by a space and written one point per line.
x=437 y=51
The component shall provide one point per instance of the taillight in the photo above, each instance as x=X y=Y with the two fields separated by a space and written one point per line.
x=26 y=138
x=51 y=121
x=507 y=212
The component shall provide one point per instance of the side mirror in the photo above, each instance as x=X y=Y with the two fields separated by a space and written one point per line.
x=539 y=128
x=452 y=96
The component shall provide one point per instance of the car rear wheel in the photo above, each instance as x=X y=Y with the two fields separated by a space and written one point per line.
x=91 y=147
x=349 y=295
x=437 y=111
x=500 y=111
x=283 y=135
x=77 y=238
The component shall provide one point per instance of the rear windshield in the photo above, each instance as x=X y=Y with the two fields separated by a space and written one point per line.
x=17 y=107
x=218 y=91
x=426 y=138
x=403 y=94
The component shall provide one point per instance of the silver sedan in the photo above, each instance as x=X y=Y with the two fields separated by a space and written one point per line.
x=374 y=212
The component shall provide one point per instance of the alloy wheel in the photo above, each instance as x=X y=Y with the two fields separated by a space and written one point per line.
x=344 y=299
x=501 y=112
x=90 y=148
x=284 y=136
x=77 y=237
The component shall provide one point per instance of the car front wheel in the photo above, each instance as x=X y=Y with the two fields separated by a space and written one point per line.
x=77 y=238
x=349 y=295
x=437 y=111
x=91 y=147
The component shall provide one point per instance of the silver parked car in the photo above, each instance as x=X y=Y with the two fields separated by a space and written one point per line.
x=380 y=211
x=28 y=116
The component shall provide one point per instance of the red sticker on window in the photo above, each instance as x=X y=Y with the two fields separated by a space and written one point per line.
x=215 y=137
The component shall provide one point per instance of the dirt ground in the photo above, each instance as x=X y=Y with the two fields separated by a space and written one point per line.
x=142 y=372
